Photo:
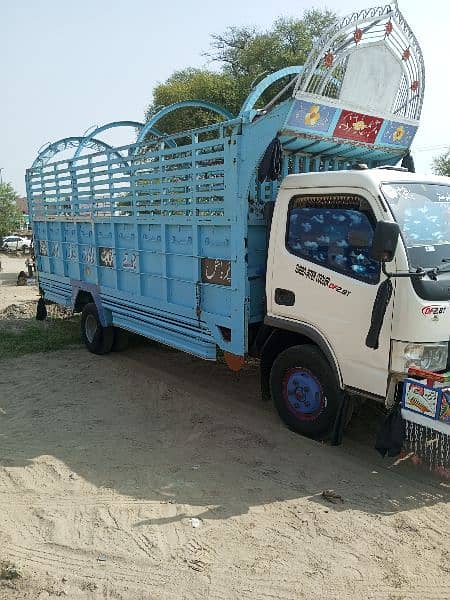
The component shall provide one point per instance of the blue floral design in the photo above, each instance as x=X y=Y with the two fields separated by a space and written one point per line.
x=324 y=237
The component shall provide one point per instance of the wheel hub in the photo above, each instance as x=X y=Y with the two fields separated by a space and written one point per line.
x=90 y=327
x=303 y=394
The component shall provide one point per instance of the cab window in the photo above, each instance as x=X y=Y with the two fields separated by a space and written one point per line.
x=334 y=231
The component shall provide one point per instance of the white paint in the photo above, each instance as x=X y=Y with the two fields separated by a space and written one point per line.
x=372 y=79
x=344 y=320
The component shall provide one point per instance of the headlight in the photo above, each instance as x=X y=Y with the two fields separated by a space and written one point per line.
x=432 y=356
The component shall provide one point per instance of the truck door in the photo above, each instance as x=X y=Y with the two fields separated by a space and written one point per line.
x=321 y=275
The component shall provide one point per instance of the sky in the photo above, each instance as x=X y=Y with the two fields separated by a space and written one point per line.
x=68 y=66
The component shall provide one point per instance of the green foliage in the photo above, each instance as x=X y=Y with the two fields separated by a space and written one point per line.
x=45 y=336
x=189 y=84
x=441 y=164
x=246 y=52
x=244 y=55
x=10 y=216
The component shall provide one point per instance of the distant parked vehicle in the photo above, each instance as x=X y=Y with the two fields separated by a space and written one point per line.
x=16 y=242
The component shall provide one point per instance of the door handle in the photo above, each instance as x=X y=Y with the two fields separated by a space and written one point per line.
x=284 y=297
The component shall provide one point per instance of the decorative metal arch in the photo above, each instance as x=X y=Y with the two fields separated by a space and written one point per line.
x=258 y=90
x=97 y=130
x=112 y=125
x=223 y=112
x=50 y=150
x=329 y=57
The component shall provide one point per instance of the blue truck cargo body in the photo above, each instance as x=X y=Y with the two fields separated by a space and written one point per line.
x=168 y=236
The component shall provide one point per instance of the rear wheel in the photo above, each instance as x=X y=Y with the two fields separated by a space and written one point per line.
x=305 y=391
x=98 y=339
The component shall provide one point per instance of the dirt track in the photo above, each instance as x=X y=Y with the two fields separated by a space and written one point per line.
x=112 y=456
x=104 y=461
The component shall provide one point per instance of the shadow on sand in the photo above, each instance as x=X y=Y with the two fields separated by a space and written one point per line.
x=157 y=425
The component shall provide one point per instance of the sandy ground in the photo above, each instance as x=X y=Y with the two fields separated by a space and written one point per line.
x=10 y=293
x=153 y=475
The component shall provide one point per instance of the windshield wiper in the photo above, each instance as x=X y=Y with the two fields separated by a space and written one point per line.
x=432 y=272
x=419 y=272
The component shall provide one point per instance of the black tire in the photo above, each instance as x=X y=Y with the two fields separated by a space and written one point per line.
x=305 y=391
x=98 y=339
x=121 y=340
x=24 y=248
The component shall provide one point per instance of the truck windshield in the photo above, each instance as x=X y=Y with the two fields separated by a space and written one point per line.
x=422 y=211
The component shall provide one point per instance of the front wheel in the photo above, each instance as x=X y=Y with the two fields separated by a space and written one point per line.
x=98 y=339
x=305 y=391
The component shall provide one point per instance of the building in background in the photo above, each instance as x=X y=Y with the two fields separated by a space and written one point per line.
x=22 y=205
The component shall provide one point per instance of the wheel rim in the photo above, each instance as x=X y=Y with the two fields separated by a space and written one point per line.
x=303 y=394
x=90 y=327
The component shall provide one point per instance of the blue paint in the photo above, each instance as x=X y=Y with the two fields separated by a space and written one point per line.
x=50 y=150
x=94 y=290
x=248 y=108
x=131 y=225
x=223 y=112
x=87 y=138
x=394 y=133
x=312 y=117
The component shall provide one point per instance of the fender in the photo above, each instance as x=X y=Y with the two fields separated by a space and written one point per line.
x=314 y=335
x=94 y=291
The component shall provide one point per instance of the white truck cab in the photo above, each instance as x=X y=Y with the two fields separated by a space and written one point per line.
x=324 y=280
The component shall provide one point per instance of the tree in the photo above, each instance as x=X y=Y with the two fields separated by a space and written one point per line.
x=441 y=164
x=193 y=84
x=10 y=216
x=244 y=55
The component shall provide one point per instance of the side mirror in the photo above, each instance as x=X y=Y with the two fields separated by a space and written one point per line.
x=385 y=239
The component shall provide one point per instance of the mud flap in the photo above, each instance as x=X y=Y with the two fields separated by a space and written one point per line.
x=339 y=424
x=391 y=435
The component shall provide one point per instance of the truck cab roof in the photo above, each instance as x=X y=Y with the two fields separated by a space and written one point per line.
x=358 y=178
